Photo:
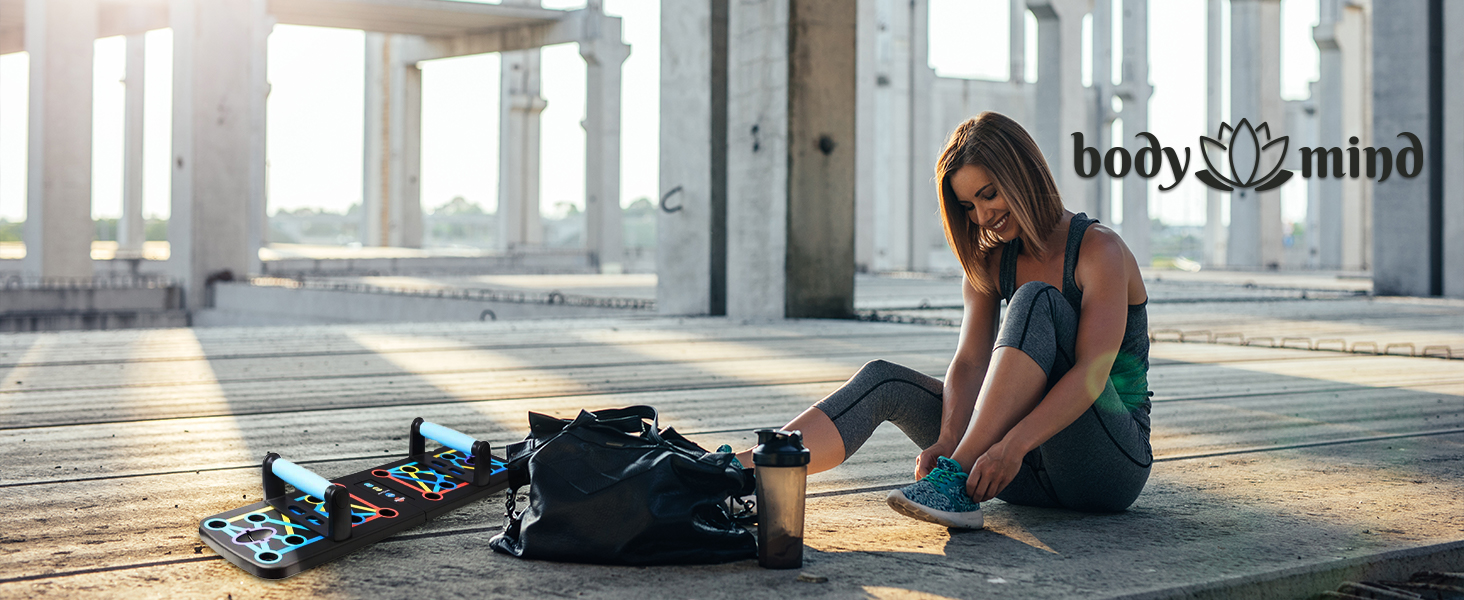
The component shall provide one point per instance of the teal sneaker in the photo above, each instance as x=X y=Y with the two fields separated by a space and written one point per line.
x=939 y=498
x=728 y=449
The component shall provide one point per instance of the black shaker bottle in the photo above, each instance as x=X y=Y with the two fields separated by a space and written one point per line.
x=782 y=478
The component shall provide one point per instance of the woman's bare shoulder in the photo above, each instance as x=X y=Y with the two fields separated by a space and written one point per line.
x=1104 y=245
x=1105 y=256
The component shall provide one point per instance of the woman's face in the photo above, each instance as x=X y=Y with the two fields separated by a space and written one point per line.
x=984 y=205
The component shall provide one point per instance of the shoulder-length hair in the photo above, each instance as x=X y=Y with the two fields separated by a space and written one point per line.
x=998 y=144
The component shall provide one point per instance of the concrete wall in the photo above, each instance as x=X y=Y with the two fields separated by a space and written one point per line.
x=244 y=304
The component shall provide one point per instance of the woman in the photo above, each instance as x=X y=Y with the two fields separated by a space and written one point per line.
x=1052 y=409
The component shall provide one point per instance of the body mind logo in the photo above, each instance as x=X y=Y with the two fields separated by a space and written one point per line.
x=1243 y=157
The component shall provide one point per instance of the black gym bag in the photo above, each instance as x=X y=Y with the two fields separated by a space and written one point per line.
x=609 y=488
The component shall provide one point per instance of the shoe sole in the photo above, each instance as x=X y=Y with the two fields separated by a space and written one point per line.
x=914 y=510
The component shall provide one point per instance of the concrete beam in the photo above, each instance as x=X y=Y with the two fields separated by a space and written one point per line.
x=1061 y=98
x=112 y=18
x=1135 y=92
x=1255 y=95
x=790 y=160
x=218 y=100
x=393 y=140
x=442 y=18
x=604 y=52
x=130 y=226
x=691 y=226
x=59 y=36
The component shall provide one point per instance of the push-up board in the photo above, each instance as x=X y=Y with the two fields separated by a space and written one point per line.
x=307 y=520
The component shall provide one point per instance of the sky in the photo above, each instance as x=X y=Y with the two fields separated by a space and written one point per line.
x=315 y=116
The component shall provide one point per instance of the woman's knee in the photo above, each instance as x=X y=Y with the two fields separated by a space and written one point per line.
x=1029 y=291
x=883 y=369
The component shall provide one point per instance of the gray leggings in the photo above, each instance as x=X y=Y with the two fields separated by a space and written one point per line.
x=1098 y=463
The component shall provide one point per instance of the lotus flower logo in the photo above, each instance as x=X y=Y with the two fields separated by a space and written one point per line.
x=1239 y=149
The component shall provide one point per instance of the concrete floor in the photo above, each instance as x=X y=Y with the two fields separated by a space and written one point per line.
x=1272 y=463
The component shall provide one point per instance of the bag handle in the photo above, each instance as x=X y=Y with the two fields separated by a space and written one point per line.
x=630 y=419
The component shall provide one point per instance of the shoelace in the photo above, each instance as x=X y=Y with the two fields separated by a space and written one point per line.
x=942 y=476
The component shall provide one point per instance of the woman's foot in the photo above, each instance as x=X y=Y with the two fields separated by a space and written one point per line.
x=939 y=497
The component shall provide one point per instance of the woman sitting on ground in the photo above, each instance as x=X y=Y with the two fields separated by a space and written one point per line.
x=1050 y=410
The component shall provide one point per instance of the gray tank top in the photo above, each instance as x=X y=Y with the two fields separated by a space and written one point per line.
x=1130 y=372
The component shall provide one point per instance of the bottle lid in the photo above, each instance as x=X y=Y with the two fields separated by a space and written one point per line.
x=779 y=448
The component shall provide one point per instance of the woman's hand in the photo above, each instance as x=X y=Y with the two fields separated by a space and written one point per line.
x=993 y=471
x=926 y=461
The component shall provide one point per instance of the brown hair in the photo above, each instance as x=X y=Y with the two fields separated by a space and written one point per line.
x=1016 y=166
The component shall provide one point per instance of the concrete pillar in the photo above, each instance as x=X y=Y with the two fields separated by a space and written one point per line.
x=1018 y=41
x=130 y=227
x=1255 y=95
x=258 y=107
x=790 y=159
x=927 y=133
x=59 y=35
x=891 y=109
x=1135 y=91
x=518 y=150
x=869 y=80
x=604 y=52
x=1408 y=251
x=691 y=225
x=1060 y=97
x=218 y=85
x=1215 y=234
x=1453 y=159
x=1354 y=41
x=1103 y=91
x=393 y=145
x=1331 y=133
x=1343 y=100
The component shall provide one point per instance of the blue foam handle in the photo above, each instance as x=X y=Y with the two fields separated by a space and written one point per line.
x=300 y=477
x=448 y=437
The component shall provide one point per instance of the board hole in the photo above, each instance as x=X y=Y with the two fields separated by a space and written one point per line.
x=294 y=540
x=256 y=518
x=216 y=524
x=268 y=557
x=380 y=473
x=296 y=510
x=432 y=496
x=358 y=519
x=387 y=512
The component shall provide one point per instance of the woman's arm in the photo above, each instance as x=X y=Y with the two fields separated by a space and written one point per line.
x=963 y=378
x=1104 y=270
